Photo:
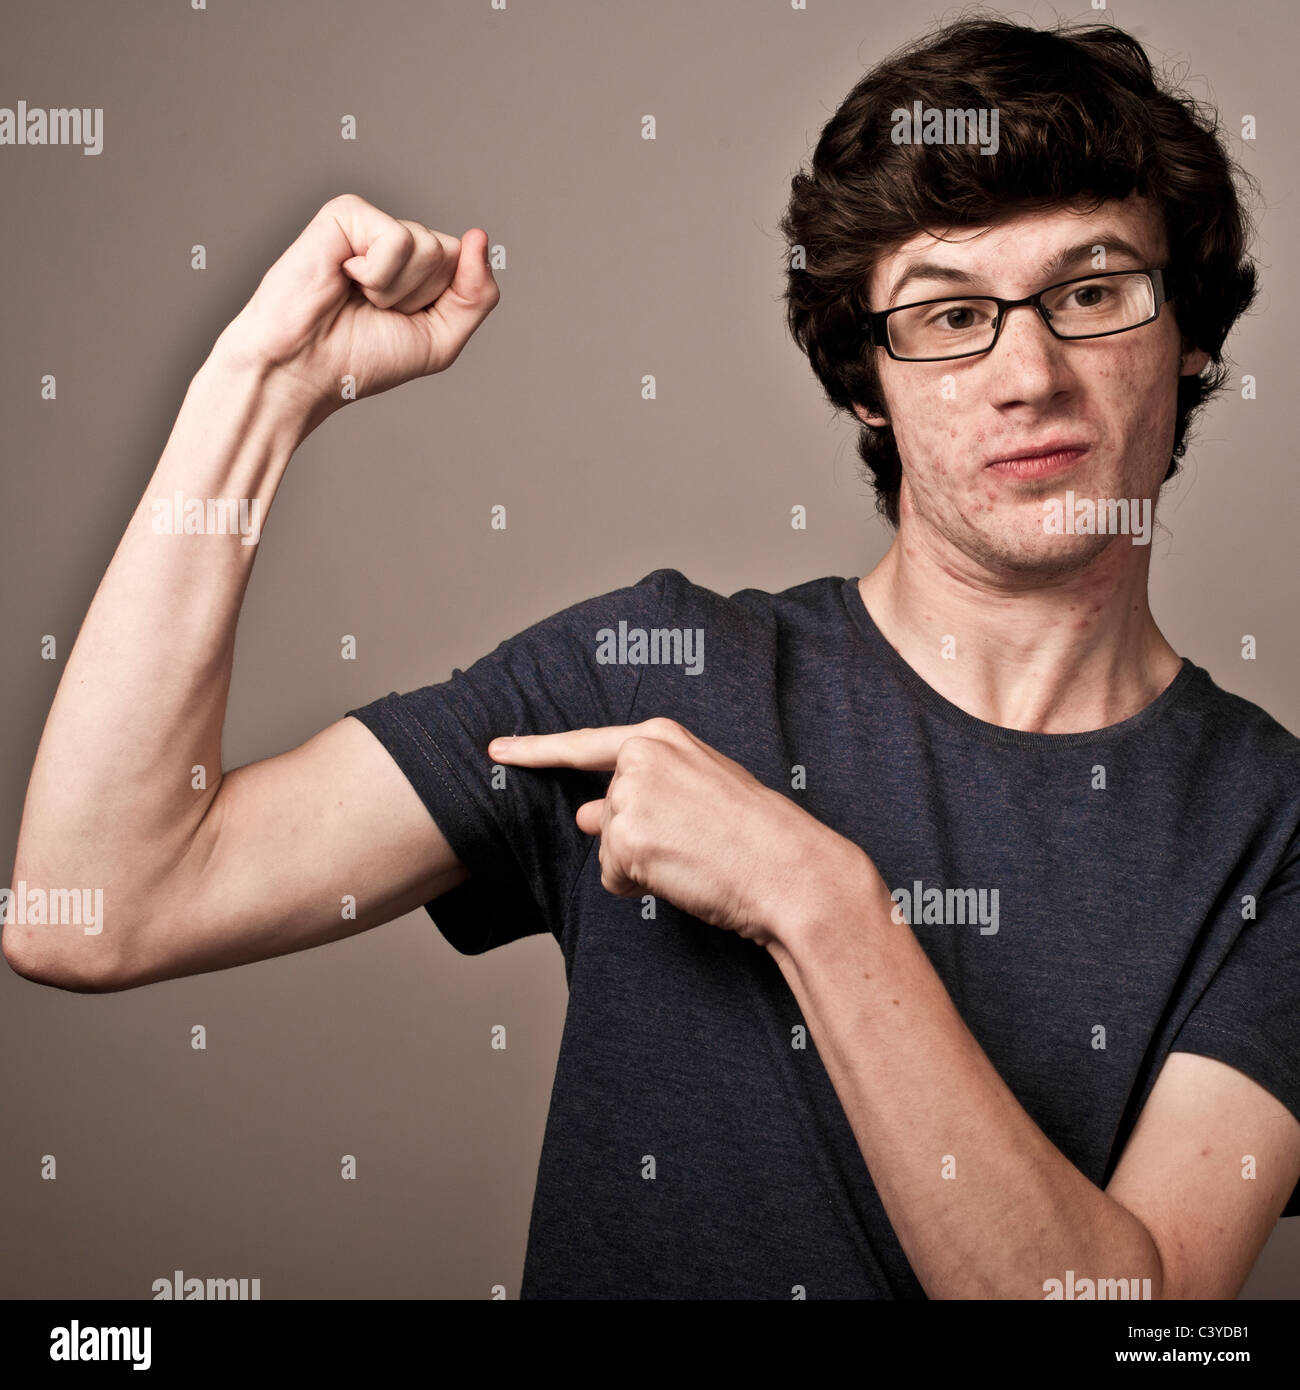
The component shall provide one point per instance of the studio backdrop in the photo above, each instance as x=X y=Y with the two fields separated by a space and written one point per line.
x=630 y=163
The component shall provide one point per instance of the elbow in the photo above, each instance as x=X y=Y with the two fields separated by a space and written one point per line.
x=81 y=965
x=58 y=936
x=1153 y=1260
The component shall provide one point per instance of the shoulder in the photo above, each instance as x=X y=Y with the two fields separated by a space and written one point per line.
x=809 y=598
x=1244 y=764
x=668 y=592
x=1241 y=730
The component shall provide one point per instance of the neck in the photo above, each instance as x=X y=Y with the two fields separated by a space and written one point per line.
x=1064 y=654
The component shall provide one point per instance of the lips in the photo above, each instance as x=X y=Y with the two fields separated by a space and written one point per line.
x=1039 y=464
x=1048 y=449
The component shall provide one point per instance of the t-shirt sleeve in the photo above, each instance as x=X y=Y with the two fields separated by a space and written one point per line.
x=1249 y=1014
x=512 y=827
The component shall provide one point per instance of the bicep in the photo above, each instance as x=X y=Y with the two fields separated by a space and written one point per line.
x=1208 y=1169
x=288 y=845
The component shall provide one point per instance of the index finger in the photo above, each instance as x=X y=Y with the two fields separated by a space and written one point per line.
x=594 y=750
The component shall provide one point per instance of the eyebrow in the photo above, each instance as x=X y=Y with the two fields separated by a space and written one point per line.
x=1055 y=265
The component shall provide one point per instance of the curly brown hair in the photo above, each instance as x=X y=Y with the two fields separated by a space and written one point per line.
x=1082 y=116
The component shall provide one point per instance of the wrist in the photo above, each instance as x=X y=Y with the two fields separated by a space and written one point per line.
x=234 y=435
x=238 y=362
x=838 y=882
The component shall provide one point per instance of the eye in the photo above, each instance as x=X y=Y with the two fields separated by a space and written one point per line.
x=954 y=317
x=1091 y=296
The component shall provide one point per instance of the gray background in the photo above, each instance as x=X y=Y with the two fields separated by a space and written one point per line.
x=624 y=257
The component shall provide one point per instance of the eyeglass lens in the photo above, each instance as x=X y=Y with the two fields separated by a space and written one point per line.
x=1080 y=309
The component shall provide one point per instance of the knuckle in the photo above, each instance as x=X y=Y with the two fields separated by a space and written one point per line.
x=341 y=201
x=632 y=751
x=663 y=727
x=632 y=841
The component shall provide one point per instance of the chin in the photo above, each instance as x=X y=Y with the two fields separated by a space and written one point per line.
x=1033 y=553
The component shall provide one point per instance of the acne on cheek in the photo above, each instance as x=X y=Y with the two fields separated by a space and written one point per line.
x=1151 y=409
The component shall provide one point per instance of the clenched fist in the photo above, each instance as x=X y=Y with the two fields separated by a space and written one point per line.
x=365 y=295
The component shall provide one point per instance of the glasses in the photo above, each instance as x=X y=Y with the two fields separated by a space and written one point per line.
x=1093 y=306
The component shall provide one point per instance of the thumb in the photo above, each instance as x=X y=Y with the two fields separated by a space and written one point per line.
x=470 y=297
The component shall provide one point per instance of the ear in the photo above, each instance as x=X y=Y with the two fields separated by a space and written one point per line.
x=1193 y=361
x=867 y=418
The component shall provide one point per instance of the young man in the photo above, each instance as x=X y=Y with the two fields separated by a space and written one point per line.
x=935 y=933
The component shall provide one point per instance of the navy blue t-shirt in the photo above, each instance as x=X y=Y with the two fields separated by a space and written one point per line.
x=1148 y=901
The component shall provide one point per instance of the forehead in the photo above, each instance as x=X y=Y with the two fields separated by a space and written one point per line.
x=1011 y=253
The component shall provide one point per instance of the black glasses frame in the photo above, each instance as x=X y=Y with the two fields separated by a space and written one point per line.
x=1163 y=286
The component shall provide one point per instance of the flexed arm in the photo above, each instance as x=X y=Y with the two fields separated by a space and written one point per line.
x=196 y=879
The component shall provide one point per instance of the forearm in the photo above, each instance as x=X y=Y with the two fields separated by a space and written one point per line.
x=983 y=1204
x=112 y=801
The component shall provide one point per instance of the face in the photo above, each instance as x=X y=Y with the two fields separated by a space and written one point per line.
x=1112 y=397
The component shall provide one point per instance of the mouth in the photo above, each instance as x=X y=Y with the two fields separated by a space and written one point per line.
x=1051 y=458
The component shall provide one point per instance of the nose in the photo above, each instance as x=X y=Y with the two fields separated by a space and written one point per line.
x=1029 y=362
